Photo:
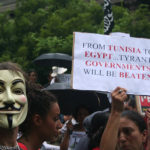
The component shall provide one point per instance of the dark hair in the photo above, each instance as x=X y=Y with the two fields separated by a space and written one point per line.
x=136 y=118
x=39 y=102
x=75 y=112
x=98 y=125
x=30 y=71
x=132 y=103
x=99 y=120
x=13 y=67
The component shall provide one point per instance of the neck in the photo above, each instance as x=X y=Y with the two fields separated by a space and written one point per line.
x=32 y=141
x=79 y=127
x=8 y=136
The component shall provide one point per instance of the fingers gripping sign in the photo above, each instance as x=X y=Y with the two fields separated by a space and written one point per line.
x=118 y=97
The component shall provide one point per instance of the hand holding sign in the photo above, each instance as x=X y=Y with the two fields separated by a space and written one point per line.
x=118 y=97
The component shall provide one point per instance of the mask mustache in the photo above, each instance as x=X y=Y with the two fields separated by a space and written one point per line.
x=10 y=107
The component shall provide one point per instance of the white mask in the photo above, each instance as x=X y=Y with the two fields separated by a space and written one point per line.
x=13 y=100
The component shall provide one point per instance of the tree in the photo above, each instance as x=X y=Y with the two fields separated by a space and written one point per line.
x=136 y=23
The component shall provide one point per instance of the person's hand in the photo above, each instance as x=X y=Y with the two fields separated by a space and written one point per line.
x=118 y=97
x=69 y=126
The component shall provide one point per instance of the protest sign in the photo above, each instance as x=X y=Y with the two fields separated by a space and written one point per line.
x=143 y=102
x=103 y=62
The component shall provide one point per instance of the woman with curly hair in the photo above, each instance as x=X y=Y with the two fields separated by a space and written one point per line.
x=42 y=122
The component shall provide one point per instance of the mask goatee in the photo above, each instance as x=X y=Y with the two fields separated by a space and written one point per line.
x=9 y=118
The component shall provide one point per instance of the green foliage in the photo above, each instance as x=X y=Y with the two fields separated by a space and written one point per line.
x=45 y=26
x=136 y=23
x=140 y=23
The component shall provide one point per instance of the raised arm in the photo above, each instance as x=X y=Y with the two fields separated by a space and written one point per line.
x=110 y=135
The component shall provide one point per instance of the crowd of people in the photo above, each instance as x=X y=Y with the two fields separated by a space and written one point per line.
x=30 y=119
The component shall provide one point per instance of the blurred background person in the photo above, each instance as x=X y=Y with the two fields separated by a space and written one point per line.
x=75 y=130
x=98 y=124
x=52 y=76
x=92 y=123
x=130 y=103
x=32 y=76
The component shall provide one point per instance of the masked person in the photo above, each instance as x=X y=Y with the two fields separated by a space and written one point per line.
x=13 y=104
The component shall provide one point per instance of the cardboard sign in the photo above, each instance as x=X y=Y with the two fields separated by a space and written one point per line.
x=143 y=102
x=103 y=62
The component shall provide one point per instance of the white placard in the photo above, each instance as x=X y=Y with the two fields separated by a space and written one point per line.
x=120 y=34
x=103 y=62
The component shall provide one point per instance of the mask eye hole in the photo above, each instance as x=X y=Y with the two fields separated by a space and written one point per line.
x=18 y=91
x=1 y=90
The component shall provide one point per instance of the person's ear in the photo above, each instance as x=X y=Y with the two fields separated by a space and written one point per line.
x=144 y=136
x=37 y=120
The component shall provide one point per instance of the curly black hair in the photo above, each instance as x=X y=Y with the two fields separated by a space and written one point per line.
x=39 y=102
